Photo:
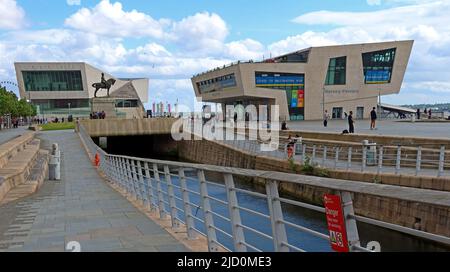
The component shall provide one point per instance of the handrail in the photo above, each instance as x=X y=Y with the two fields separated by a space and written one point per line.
x=130 y=173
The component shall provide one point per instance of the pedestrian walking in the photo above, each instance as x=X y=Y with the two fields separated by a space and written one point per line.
x=373 y=118
x=325 y=118
x=351 y=127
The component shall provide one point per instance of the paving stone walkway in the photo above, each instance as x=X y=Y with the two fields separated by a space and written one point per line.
x=8 y=134
x=81 y=207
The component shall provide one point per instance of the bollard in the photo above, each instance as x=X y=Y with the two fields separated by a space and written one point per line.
x=54 y=165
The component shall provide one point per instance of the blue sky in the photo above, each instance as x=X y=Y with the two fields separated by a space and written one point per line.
x=169 y=41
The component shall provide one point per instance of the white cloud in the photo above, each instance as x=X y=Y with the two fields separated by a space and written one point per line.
x=73 y=2
x=202 y=32
x=397 y=2
x=425 y=22
x=109 y=19
x=12 y=16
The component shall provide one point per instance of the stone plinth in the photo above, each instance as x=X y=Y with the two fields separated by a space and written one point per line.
x=106 y=104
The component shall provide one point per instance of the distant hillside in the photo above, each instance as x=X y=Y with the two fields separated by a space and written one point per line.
x=438 y=107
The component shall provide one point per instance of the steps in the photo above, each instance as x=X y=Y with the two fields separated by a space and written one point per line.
x=34 y=180
x=23 y=167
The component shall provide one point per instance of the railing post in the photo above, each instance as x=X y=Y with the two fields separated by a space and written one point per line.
x=162 y=210
x=143 y=186
x=349 y=157
x=172 y=203
x=235 y=217
x=336 y=156
x=126 y=173
x=313 y=159
x=350 y=222
x=441 y=160
x=118 y=170
x=186 y=205
x=398 y=159
x=113 y=171
x=364 y=158
x=418 y=159
x=276 y=217
x=208 y=217
x=380 y=160
x=324 y=157
x=304 y=153
x=151 y=195
x=134 y=180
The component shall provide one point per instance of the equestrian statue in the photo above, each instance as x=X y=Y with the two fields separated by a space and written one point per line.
x=104 y=84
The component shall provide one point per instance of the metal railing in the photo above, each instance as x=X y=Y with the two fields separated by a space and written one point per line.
x=177 y=189
x=416 y=161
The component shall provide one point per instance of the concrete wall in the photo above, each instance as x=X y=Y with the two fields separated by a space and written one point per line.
x=128 y=127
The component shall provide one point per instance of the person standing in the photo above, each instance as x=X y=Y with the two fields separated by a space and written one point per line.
x=429 y=114
x=351 y=127
x=325 y=118
x=373 y=118
x=418 y=114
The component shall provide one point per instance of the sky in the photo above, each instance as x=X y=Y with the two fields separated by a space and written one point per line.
x=168 y=41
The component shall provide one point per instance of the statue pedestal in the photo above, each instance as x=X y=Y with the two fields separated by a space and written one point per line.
x=106 y=104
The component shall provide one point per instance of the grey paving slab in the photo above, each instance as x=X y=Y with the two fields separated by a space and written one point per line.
x=8 y=134
x=384 y=127
x=81 y=207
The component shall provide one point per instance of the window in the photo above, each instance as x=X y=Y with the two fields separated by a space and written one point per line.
x=336 y=71
x=211 y=85
x=37 y=81
x=131 y=103
x=292 y=84
x=297 y=57
x=378 y=66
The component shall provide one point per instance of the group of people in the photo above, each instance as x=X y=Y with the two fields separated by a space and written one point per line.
x=351 y=122
x=13 y=123
x=97 y=115
x=426 y=113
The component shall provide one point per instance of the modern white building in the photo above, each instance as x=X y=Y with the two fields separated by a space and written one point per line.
x=62 y=88
x=307 y=82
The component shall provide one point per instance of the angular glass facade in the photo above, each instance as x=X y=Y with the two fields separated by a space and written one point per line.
x=37 y=81
x=378 y=66
x=292 y=84
x=217 y=83
x=128 y=103
x=298 y=57
x=336 y=71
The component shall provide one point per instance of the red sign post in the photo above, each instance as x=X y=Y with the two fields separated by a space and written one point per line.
x=336 y=223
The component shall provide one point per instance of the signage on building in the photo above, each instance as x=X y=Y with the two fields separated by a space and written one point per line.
x=341 y=91
x=336 y=223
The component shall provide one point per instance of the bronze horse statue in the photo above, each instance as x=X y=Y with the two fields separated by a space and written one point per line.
x=104 y=85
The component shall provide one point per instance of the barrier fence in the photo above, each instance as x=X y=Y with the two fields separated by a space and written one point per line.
x=183 y=192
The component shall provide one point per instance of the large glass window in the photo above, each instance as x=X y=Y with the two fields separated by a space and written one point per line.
x=298 y=57
x=292 y=84
x=336 y=71
x=217 y=83
x=52 y=81
x=130 y=103
x=378 y=66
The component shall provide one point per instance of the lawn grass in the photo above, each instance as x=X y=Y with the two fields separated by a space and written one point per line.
x=58 y=126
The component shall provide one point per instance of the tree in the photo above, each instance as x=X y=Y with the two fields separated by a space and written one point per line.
x=10 y=104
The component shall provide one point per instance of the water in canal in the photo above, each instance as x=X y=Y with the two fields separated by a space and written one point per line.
x=389 y=240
